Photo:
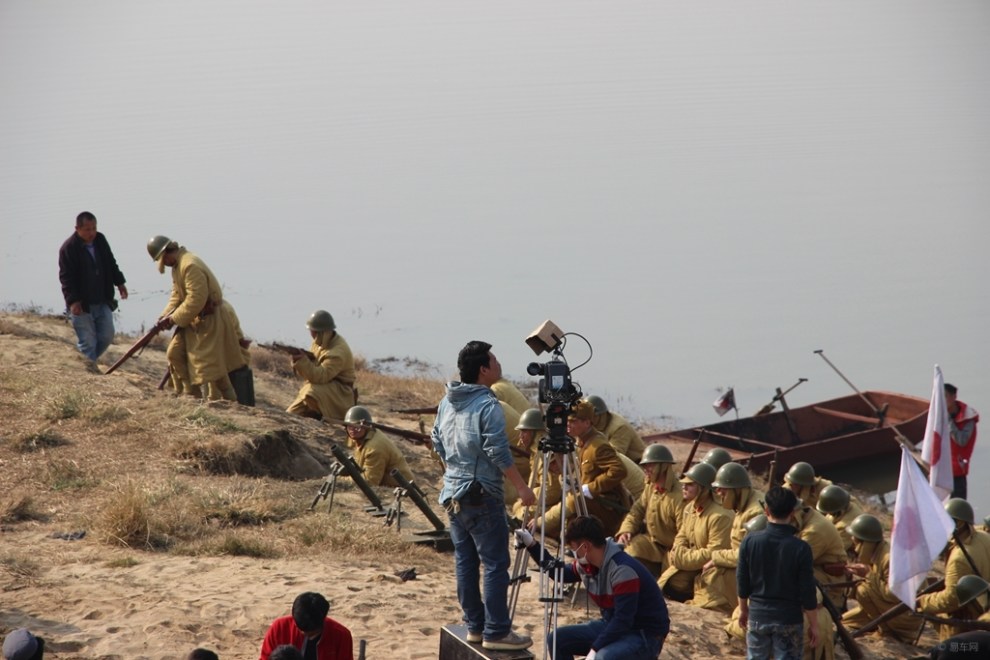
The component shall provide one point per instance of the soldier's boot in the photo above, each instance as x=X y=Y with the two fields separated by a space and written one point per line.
x=221 y=389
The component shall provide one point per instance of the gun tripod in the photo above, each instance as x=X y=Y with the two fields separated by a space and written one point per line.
x=551 y=585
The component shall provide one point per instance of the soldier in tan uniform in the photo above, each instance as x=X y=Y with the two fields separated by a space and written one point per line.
x=205 y=347
x=508 y=393
x=977 y=544
x=802 y=480
x=649 y=528
x=520 y=457
x=617 y=430
x=531 y=429
x=829 y=557
x=329 y=389
x=601 y=475
x=635 y=481
x=717 y=457
x=704 y=528
x=735 y=491
x=374 y=452
x=873 y=596
x=840 y=508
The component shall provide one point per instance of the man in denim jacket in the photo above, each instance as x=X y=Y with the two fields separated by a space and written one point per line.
x=469 y=434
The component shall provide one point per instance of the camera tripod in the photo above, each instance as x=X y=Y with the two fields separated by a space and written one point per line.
x=551 y=585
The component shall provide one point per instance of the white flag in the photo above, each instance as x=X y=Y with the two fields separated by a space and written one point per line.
x=921 y=530
x=725 y=403
x=935 y=450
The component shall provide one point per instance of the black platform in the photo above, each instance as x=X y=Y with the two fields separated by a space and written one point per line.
x=454 y=646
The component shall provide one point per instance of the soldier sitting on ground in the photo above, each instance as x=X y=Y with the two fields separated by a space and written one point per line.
x=957 y=565
x=705 y=527
x=735 y=491
x=531 y=429
x=839 y=507
x=802 y=480
x=873 y=596
x=649 y=528
x=374 y=452
x=619 y=433
x=329 y=389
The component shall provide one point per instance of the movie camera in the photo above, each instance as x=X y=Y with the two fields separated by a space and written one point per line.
x=557 y=389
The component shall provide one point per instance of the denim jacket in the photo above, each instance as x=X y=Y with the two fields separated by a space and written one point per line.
x=469 y=434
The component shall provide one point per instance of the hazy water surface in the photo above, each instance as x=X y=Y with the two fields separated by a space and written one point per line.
x=707 y=192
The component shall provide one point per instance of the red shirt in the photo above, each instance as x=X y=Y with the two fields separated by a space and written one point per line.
x=962 y=454
x=335 y=643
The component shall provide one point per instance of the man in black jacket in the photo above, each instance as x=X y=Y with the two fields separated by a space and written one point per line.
x=89 y=272
x=776 y=582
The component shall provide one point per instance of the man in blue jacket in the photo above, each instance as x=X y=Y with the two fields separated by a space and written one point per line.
x=634 y=619
x=469 y=435
x=776 y=582
x=88 y=273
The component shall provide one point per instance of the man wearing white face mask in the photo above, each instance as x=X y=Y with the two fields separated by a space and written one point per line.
x=634 y=619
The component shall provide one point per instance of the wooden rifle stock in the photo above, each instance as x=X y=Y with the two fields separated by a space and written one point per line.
x=426 y=410
x=165 y=377
x=694 y=449
x=144 y=340
x=895 y=611
x=852 y=648
x=288 y=350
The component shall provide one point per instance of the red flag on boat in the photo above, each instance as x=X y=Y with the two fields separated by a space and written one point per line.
x=725 y=403
x=935 y=450
x=921 y=530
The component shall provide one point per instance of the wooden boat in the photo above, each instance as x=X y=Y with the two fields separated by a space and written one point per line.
x=828 y=435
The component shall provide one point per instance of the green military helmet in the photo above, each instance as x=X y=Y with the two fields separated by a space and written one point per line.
x=970 y=587
x=756 y=524
x=597 y=403
x=801 y=474
x=320 y=321
x=833 y=499
x=700 y=473
x=732 y=475
x=531 y=420
x=358 y=416
x=717 y=457
x=986 y=523
x=960 y=509
x=157 y=246
x=656 y=453
x=866 y=528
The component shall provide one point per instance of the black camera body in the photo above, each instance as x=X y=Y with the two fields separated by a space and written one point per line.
x=559 y=393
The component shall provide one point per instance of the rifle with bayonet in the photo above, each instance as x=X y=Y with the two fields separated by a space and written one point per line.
x=852 y=648
x=354 y=470
x=137 y=346
x=288 y=350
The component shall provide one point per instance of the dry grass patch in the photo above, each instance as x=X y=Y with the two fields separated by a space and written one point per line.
x=140 y=518
x=46 y=438
x=19 y=566
x=243 y=503
x=19 y=508
x=68 y=475
x=403 y=392
x=271 y=362
x=122 y=562
x=66 y=403
x=203 y=418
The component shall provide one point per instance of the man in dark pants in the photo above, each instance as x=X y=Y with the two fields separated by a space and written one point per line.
x=469 y=435
x=775 y=580
x=88 y=273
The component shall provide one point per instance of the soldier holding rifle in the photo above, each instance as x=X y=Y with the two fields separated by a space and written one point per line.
x=205 y=347
x=328 y=369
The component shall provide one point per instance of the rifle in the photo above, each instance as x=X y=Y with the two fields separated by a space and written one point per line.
x=289 y=350
x=778 y=397
x=354 y=471
x=329 y=487
x=138 y=345
x=426 y=410
x=694 y=449
x=895 y=611
x=415 y=437
x=165 y=377
x=968 y=624
x=852 y=648
x=772 y=471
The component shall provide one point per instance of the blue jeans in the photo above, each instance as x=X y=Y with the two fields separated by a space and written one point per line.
x=481 y=536
x=94 y=330
x=577 y=639
x=777 y=640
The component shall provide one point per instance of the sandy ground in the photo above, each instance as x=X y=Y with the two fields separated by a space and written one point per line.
x=93 y=598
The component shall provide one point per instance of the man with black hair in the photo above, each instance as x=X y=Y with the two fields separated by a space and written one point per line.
x=286 y=652
x=20 y=644
x=203 y=654
x=775 y=581
x=634 y=619
x=309 y=630
x=962 y=428
x=469 y=435
x=88 y=272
